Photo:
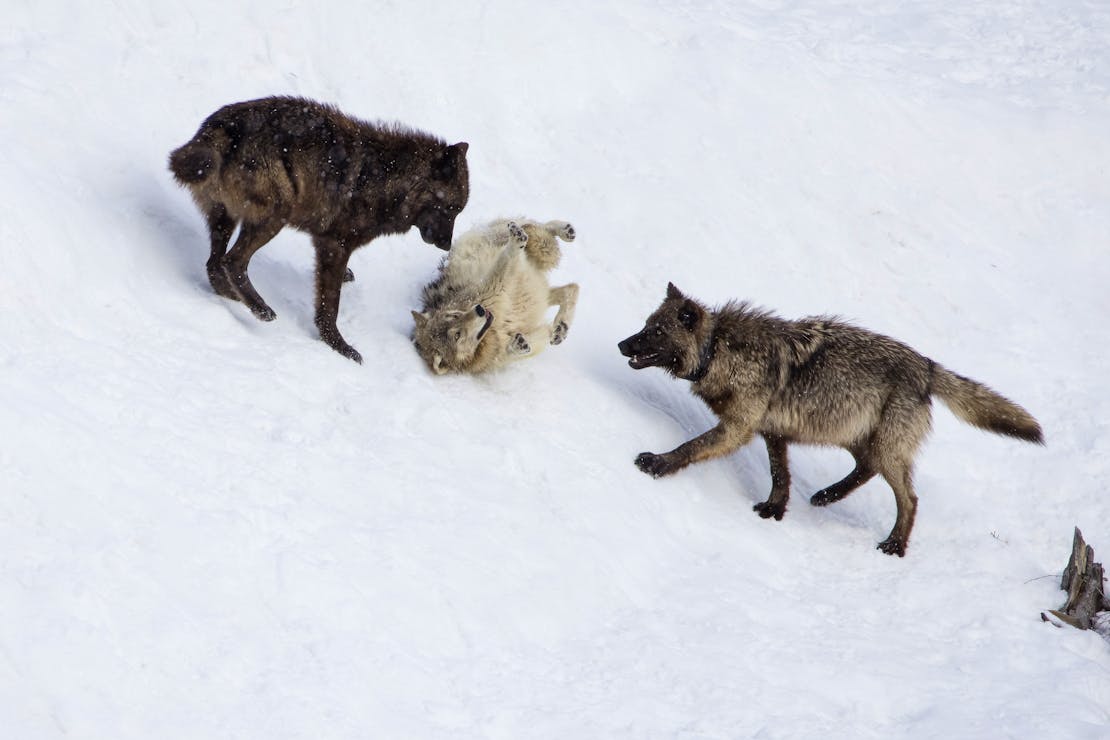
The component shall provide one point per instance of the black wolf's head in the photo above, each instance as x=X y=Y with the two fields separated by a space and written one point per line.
x=448 y=191
x=672 y=337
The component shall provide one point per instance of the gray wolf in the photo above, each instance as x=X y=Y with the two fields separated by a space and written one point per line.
x=488 y=305
x=282 y=161
x=817 y=380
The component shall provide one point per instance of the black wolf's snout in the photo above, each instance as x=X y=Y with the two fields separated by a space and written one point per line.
x=630 y=346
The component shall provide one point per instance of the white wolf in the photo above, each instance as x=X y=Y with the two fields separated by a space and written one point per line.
x=488 y=305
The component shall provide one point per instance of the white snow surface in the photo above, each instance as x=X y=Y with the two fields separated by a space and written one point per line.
x=212 y=527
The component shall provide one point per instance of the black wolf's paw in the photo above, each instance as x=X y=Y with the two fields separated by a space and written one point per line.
x=517 y=235
x=350 y=353
x=824 y=498
x=519 y=345
x=655 y=465
x=221 y=285
x=767 y=510
x=560 y=333
x=348 y=276
x=263 y=312
x=893 y=546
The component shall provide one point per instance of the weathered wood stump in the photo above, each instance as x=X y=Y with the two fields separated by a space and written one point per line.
x=1083 y=583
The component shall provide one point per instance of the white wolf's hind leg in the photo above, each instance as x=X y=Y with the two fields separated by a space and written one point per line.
x=519 y=346
x=517 y=235
x=566 y=298
x=561 y=229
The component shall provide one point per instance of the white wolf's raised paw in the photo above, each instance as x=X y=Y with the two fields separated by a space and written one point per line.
x=561 y=229
x=519 y=345
x=559 y=333
x=517 y=235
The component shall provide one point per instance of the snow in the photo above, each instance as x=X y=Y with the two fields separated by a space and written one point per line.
x=214 y=527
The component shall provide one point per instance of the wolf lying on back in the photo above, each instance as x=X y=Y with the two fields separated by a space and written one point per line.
x=815 y=381
x=488 y=305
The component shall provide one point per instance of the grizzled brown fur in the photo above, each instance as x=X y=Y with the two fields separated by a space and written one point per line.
x=282 y=161
x=814 y=381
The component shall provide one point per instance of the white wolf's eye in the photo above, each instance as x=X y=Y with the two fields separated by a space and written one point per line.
x=457 y=335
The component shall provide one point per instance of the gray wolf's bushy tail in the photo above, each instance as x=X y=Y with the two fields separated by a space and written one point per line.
x=979 y=406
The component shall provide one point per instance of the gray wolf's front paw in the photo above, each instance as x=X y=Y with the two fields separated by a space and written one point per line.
x=519 y=345
x=517 y=235
x=655 y=465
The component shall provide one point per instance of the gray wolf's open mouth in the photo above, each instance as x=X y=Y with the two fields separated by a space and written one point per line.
x=485 y=326
x=639 y=362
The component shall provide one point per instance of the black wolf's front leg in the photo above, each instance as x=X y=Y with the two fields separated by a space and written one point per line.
x=718 y=441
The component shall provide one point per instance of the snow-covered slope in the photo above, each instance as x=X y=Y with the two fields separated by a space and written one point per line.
x=212 y=527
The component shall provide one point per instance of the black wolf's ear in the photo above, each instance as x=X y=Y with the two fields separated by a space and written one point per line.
x=688 y=315
x=446 y=166
x=673 y=292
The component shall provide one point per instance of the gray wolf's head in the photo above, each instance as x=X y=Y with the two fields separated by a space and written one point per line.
x=671 y=337
x=448 y=339
x=448 y=189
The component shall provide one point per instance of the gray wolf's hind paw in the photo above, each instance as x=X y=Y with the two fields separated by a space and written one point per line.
x=560 y=333
x=767 y=510
x=519 y=345
x=517 y=235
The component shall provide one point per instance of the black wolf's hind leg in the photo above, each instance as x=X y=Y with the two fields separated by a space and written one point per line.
x=252 y=236
x=220 y=226
x=331 y=267
x=775 y=505
x=859 y=475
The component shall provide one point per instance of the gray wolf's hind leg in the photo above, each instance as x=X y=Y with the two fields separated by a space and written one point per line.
x=862 y=473
x=566 y=298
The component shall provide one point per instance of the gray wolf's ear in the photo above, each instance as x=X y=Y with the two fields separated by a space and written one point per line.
x=673 y=292
x=420 y=319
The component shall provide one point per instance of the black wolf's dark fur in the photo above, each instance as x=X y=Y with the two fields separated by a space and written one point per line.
x=275 y=162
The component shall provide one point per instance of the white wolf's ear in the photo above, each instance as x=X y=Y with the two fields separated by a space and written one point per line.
x=437 y=365
x=673 y=292
x=421 y=319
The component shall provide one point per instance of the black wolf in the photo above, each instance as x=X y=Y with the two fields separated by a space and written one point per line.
x=814 y=381
x=282 y=161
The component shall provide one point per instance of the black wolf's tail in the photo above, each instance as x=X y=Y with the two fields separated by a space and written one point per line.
x=979 y=406
x=193 y=162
